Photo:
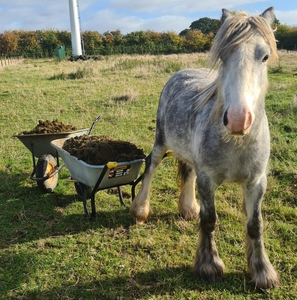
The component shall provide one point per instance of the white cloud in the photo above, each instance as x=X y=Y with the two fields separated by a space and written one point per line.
x=34 y=17
x=161 y=7
x=126 y=15
x=169 y=23
x=287 y=17
x=108 y=20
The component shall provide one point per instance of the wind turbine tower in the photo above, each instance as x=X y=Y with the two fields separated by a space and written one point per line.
x=75 y=28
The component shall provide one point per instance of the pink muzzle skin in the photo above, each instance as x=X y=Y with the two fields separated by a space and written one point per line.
x=238 y=122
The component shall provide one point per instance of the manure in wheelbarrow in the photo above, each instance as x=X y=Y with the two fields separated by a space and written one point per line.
x=55 y=126
x=99 y=150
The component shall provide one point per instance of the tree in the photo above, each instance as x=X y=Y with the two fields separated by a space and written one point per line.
x=8 y=42
x=197 y=41
x=154 y=40
x=108 y=38
x=28 y=41
x=171 y=42
x=117 y=37
x=286 y=37
x=64 y=38
x=137 y=38
x=93 y=41
x=184 y=32
x=206 y=25
x=49 y=41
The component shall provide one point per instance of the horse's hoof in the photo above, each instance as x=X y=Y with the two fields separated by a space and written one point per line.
x=140 y=220
x=190 y=214
x=263 y=274
x=266 y=281
x=140 y=215
x=210 y=277
x=190 y=217
x=211 y=272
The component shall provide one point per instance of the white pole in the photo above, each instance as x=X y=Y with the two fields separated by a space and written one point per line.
x=75 y=30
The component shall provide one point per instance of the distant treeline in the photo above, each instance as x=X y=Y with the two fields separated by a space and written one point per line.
x=43 y=43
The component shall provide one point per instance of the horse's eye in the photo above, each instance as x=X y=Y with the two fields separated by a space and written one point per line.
x=265 y=58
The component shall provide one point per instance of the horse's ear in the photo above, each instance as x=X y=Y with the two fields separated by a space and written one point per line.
x=268 y=15
x=225 y=14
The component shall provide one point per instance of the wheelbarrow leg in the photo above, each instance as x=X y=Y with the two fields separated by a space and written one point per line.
x=134 y=184
x=93 y=205
x=93 y=216
x=121 y=195
x=83 y=191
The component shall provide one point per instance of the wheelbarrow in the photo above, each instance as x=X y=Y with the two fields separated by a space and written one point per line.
x=45 y=171
x=91 y=178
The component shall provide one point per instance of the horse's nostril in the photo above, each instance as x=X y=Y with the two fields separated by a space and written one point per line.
x=225 y=121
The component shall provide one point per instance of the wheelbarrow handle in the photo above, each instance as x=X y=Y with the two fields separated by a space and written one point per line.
x=47 y=176
x=93 y=124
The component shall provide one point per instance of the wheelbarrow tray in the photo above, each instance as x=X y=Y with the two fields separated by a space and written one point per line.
x=39 y=144
x=123 y=173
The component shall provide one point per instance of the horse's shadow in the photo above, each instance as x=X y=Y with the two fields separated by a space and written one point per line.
x=162 y=282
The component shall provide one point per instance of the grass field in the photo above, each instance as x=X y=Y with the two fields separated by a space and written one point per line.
x=48 y=250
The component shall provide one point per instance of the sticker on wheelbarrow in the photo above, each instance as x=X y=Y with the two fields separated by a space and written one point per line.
x=119 y=172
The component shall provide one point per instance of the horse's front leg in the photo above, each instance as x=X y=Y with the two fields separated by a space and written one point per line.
x=140 y=207
x=187 y=205
x=262 y=272
x=208 y=264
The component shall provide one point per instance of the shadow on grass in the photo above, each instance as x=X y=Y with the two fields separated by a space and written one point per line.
x=27 y=214
x=164 y=283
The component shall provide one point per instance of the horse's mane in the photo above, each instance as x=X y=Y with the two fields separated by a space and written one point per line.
x=234 y=30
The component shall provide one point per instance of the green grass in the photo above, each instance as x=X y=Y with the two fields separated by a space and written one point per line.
x=47 y=248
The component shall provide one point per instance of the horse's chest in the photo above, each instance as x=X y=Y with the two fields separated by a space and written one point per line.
x=237 y=172
x=237 y=168
x=233 y=163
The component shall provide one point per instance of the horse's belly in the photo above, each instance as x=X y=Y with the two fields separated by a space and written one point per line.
x=238 y=173
x=236 y=178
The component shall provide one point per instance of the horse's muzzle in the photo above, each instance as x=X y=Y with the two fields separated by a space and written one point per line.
x=238 y=122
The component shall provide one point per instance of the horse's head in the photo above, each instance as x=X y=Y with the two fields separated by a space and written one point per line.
x=243 y=44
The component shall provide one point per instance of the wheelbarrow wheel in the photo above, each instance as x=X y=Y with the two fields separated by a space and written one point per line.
x=46 y=165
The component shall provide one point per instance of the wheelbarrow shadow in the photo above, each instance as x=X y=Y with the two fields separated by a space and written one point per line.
x=110 y=212
x=27 y=214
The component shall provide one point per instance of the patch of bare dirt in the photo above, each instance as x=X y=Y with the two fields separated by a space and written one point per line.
x=47 y=126
x=99 y=150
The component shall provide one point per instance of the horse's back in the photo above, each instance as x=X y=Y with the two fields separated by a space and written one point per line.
x=188 y=82
x=180 y=94
x=182 y=88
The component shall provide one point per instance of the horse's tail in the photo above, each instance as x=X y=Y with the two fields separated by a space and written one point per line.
x=183 y=170
x=179 y=173
x=182 y=173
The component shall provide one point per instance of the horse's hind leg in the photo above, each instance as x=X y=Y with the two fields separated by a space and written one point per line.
x=188 y=206
x=140 y=207
x=262 y=272
x=208 y=264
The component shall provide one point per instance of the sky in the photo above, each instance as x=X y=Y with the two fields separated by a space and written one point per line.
x=130 y=15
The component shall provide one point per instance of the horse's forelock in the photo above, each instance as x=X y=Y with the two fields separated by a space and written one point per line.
x=268 y=34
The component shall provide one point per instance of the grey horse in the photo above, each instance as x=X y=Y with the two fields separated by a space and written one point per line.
x=215 y=124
